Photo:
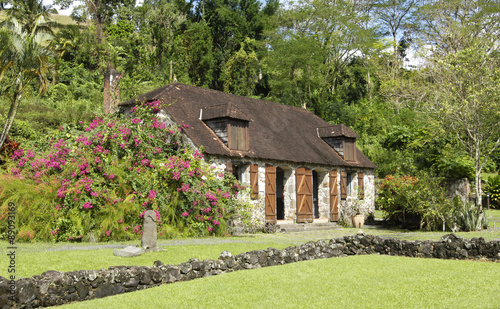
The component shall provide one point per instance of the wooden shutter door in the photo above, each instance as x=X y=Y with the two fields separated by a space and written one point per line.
x=343 y=185
x=229 y=167
x=361 y=185
x=334 y=197
x=270 y=194
x=254 y=181
x=304 y=195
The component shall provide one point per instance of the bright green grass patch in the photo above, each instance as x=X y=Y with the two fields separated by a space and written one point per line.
x=36 y=258
x=31 y=262
x=485 y=176
x=371 y=281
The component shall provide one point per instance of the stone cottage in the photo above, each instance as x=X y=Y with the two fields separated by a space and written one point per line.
x=298 y=166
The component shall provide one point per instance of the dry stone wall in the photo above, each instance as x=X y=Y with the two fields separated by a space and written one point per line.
x=56 y=288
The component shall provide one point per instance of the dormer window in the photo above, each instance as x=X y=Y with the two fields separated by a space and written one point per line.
x=237 y=134
x=228 y=124
x=341 y=139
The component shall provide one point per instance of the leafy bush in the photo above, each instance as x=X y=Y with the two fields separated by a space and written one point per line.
x=101 y=181
x=493 y=188
x=415 y=202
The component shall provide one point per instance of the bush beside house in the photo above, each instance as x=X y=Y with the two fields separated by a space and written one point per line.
x=99 y=179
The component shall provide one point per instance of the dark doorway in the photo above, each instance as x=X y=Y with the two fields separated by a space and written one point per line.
x=280 y=200
x=315 y=195
x=238 y=169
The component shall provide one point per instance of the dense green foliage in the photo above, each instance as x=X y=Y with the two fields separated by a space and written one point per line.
x=345 y=61
x=493 y=188
x=412 y=202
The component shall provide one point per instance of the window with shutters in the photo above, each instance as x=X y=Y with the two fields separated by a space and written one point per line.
x=349 y=184
x=345 y=184
x=254 y=181
x=361 y=185
x=349 y=150
x=232 y=132
x=237 y=134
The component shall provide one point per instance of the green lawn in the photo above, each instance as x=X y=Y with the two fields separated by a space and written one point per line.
x=35 y=258
x=353 y=282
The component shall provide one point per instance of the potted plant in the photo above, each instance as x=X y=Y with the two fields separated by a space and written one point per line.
x=358 y=215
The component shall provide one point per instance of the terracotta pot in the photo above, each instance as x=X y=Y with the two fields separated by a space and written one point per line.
x=358 y=221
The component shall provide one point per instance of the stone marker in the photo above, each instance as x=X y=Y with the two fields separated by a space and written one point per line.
x=129 y=251
x=149 y=235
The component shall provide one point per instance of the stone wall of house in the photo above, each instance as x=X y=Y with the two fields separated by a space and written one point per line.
x=57 y=288
x=345 y=205
x=289 y=194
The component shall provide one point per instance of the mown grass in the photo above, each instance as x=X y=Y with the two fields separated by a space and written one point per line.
x=36 y=258
x=34 y=261
x=352 y=282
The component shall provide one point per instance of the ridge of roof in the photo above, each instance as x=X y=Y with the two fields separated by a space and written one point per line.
x=276 y=131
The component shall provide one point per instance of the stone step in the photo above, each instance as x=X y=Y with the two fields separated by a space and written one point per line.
x=301 y=227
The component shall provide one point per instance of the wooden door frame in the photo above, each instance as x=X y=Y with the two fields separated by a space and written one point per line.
x=304 y=193
x=334 y=197
x=270 y=200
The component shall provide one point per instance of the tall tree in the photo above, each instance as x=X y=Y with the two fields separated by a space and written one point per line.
x=24 y=59
x=464 y=94
x=230 y=23
x=447 y=26
x=394 y=16
x=101 y=13
x=32 y=14
x=315 y=40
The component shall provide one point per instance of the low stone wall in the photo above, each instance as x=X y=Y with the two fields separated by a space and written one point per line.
x=56 y=288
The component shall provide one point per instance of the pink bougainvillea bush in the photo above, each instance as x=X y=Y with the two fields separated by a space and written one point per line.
x=99 y=180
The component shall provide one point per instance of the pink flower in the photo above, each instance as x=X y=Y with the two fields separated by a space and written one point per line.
x=87 y=205
x=136 y=120
x=152 y=194
x=184 y=214
x=107 y=233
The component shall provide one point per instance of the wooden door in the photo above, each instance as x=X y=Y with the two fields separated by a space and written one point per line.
x=304 y=194
x=334 y=197
x=270 y=194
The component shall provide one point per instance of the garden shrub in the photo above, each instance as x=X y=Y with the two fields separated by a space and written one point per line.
x=493 y=188
x=101 y=180
x=413 y=202
x=419 y=202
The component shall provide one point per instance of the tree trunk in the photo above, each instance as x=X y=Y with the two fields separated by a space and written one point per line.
x=11 y=115
x=369 y=85
x=479 y=193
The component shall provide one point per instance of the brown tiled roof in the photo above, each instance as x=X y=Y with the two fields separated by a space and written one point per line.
x=223 y=110
x=337 y=130
x=276 y=131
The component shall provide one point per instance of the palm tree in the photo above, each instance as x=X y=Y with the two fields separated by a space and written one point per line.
x=32 y=14
x=24 y=60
